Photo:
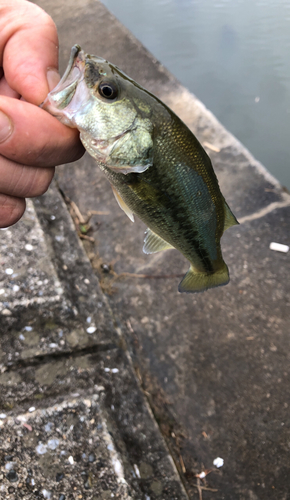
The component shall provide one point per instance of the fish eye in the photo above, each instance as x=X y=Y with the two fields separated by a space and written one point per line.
x=108 y=90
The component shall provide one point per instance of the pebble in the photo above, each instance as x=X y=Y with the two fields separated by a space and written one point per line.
x=10 y=465
x=6 y=312
x=28 y=247
x=12 y=476
x=91 y=329
x=92 y=457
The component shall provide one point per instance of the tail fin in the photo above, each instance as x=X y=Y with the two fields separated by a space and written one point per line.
x=198 y=282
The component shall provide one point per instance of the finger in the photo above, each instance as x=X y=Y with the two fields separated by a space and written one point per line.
x=30 y=43
x=7 y=91
x=11 y=210
x=23 y=181
x=36 y=138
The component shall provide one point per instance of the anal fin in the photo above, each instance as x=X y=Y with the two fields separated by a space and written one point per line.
x=123 y=205
x=153 y=243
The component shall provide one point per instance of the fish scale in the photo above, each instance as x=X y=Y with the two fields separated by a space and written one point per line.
x=156 y=166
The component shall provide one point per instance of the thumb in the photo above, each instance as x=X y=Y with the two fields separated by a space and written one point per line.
x=29 y=45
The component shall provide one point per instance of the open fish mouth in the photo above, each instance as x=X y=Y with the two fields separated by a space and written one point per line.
x=62 y=95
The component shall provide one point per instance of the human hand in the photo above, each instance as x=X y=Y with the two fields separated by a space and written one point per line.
x=32 y=142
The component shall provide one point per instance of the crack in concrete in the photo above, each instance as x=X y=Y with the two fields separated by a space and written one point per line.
x=265 y=211
x=47 y=358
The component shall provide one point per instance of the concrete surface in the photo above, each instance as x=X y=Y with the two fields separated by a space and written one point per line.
x=202 y=376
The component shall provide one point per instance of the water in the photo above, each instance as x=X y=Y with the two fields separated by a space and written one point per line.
x=234 y=56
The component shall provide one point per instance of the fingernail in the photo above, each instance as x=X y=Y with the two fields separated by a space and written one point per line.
x=6 y=127
x=53 y=78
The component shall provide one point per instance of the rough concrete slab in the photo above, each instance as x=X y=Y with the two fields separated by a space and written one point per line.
x=88 y=407
x=50 y=302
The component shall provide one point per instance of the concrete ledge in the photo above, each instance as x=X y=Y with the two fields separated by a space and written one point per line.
x=213 y=367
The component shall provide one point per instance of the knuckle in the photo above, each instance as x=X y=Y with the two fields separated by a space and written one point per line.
x=41 y=181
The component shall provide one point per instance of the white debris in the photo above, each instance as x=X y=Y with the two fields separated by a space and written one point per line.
x=10 y=465
x=21 y=337
x=136 y=471
x=9 y=270
x=71 y=460
x=89 y=319
x=16 y=288
x=115 y=370
x=117 y=466
x=41 y=448
x=48 y=427
x=218 y=462
x=52 y=444
x=28 y=328
x=3 y=415
x=107 y=370
x=2 y=291
x=46 y=493
x=28 y=247
x=91 y=329
x=52 y=217
x=53 y=346
x=202 y=475
x=278 y=247
x=31 y=409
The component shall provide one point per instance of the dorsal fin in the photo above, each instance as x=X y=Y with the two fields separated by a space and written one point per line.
x=153 y=243
x=230 y=219
x=123 y=205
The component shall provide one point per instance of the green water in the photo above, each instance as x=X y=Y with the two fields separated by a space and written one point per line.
x=234 y=55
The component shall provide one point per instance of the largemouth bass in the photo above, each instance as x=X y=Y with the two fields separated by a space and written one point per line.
x=157 y=168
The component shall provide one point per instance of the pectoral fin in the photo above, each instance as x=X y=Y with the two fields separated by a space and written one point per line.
x=194 y=281
x=123 y=205
x=128 y=169
x=153 y=243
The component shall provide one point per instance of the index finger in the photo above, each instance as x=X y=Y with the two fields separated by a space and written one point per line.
x=28 y=48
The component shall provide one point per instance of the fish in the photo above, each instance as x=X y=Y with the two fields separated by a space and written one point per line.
x=157 y=168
